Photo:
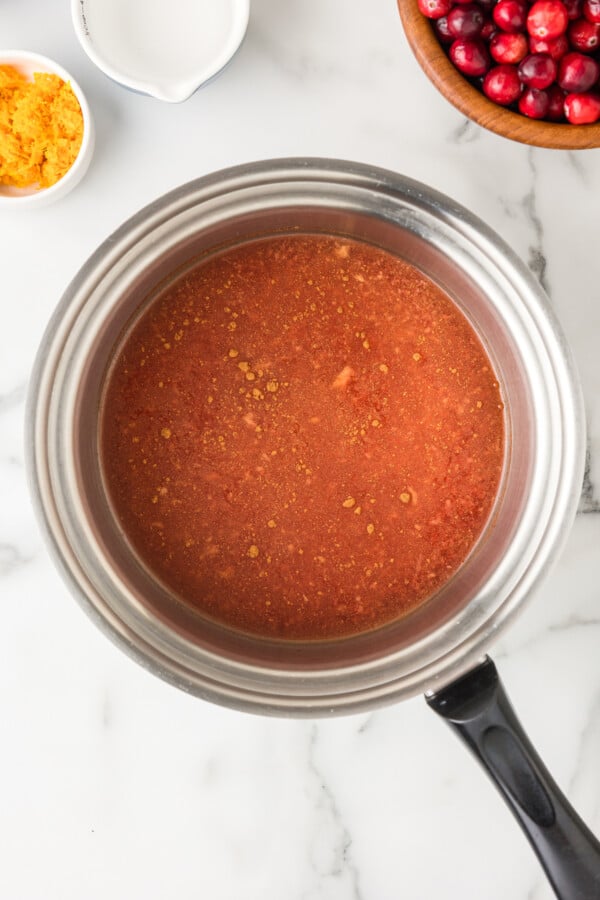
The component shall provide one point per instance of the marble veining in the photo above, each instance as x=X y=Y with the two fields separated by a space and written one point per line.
x=11 y=558
x=589 y=501
x=465 y=133
x=537 y=257
x=333 y=858
x=14 y=397
x=574 y=159
x=116 y=784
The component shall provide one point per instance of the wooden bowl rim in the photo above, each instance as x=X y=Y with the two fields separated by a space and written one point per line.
x=472 y=103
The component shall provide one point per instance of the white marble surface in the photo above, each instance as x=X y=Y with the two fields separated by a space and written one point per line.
x=113 y=784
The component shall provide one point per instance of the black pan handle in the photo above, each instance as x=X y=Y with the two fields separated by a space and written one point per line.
x=479 y=710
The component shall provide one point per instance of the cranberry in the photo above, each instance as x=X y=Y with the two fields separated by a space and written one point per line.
x=584 y=36
x=508 y=48
x=435 y=9
x=534 y=103
x=547 y=19
x=470 y=56
x=466 y=21
x=510 y=15
x=556 y=103
x=488 y=30
x=573 y=8
x=577 y=73
x=502 y=85
x=556 y=48
x=538 y=70
x=591 y=10
x=582 y=109
x=441 y=29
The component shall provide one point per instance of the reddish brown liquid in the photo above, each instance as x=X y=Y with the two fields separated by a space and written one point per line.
x=303 y=437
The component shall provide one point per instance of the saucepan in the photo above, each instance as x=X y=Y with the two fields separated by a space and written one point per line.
x=439 y=649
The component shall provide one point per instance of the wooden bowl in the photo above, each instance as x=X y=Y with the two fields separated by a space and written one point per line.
x=475 y=105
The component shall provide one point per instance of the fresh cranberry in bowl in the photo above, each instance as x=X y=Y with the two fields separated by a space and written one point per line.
x=591 y=10
x=577 y=73
x=465 y=21
x=435 y=9
x=582 y=109
x=508 y=48
x=502 y=85
x=573 y=8
x=556 y=47
x=470 y=57
x=556 y=104
x=489 y=30
x=547 y=19
x=584 y=36
x=538 y=70
x=510 y=15
x=442 y=31
x=534 y=103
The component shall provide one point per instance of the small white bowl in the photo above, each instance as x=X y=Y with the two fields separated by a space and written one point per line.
x=17 y=198
x=166 y=50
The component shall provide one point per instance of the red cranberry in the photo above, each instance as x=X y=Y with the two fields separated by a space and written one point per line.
x=470 y=56
x=502 y=85
x=584 y=36
x=488 y=30
x=573 y=8
x=577 y=73
x=556 y=103
x=591 y=10
x=582 y=109
x=547 y=19
x=534 y=103
x=508 y=48
x=556 y=48
x=442 y=31
x=465 y=21
x=435 y=9
x=538 y=70
x=510 y=15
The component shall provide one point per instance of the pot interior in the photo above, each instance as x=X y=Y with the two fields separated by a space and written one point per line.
x=454 y=598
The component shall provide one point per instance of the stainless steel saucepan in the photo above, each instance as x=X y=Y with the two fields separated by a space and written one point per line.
x=440 y=648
